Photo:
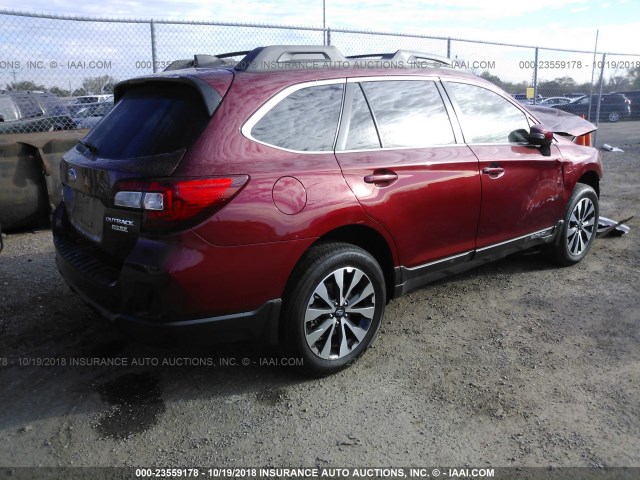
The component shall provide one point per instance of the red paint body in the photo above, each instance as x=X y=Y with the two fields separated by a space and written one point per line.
x=440 y=205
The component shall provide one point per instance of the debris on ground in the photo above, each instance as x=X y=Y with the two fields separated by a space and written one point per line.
x=611 y=228
x=609 y=148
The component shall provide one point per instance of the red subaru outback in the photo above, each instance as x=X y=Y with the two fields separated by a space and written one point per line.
x=289 y=197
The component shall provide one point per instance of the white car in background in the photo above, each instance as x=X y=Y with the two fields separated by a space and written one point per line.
x=548 y=102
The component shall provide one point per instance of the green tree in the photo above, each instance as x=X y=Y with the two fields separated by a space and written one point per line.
x=60 y=92
x=25 y=85
x=634 y=77
x=98 y=85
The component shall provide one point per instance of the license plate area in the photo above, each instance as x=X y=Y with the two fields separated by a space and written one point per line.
x=85 y=212
x=83 y=206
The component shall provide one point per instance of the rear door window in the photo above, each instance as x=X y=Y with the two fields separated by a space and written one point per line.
x=150 y=120
x=409 y=113
x=362 y=133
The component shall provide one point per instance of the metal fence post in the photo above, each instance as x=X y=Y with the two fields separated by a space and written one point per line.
x=449 y=47
x=153 y=45
x=328 y=36
x=595 y=136
x=535 y=77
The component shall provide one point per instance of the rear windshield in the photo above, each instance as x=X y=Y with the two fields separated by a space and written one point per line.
x=150 y=121
x=7 y=110
x=52 y=106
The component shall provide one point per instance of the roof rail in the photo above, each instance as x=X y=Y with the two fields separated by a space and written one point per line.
x=289 y=56
x=285 y=57
x=407 y=57
x=199 y=61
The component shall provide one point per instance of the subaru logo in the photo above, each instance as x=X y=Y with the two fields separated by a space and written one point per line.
x=71 y=175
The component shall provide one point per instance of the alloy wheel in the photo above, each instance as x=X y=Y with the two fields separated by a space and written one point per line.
x=581 y=226
x=339 y=313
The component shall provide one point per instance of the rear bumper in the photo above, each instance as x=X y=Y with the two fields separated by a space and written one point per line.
x=118 y=292
x=261 y=323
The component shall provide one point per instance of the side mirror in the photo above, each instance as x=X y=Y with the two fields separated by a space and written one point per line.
x=540 y=135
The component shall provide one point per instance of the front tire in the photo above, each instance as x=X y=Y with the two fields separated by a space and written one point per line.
x=334 y=307
x=580 y=226
x=613 y=117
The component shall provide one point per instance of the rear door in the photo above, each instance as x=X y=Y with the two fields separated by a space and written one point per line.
x=398 y=152
x=521 y=184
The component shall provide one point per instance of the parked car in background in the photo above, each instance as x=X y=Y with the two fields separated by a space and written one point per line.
x=94 y=100
x=91 y=114
x=28 y=112
x=634 y=98
x=613 y=107
x=550 y=101
x=522 y=98
x=286 y=200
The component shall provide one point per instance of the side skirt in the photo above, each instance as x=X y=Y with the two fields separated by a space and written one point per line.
x=408 y=279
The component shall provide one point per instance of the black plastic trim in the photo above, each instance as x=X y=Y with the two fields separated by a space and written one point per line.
x=276 y=57
x=409 y=279
x=209 y=94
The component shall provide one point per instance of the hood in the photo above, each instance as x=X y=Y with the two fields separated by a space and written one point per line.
x=561 y=122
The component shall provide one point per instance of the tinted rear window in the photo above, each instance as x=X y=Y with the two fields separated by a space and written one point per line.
x=28 y=106
x=150 y=121
x=52 y=105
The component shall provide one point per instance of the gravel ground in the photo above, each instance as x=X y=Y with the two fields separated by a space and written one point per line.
x=516 y=363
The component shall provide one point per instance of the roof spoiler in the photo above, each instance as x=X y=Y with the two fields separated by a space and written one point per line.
x=209 y=95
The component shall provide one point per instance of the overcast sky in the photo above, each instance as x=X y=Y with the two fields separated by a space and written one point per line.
x=554 y=23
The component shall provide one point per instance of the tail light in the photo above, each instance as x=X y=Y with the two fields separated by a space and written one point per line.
x=171 y=204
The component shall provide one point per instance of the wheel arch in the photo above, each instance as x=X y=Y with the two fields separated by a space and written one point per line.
x=373 y=242
x=592 y=179
x=365 y=237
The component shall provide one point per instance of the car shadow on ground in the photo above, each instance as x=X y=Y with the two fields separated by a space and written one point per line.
x=127 y=385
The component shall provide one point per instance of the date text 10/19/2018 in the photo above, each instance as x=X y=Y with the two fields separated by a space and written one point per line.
x=327 y=473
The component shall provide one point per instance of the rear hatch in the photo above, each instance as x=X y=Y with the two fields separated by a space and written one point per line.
x=152 y=125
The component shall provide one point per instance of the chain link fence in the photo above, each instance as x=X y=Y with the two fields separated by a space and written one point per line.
x=58 y=72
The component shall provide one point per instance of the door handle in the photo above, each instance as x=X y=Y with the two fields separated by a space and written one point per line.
x=381 y=178
x=494 y=171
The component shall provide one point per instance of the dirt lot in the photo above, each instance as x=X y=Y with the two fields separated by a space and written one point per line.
x=517 y=363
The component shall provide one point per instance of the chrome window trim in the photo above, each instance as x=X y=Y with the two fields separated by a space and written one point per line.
x=539 y=233
x=436 y=262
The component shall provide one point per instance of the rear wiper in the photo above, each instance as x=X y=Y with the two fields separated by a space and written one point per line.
x=89 y=146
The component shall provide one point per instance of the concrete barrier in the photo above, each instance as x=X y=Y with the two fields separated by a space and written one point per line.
x=30 y=186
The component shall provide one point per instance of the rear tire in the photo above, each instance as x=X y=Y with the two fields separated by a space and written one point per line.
x=334 y=306
x=580 y=226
